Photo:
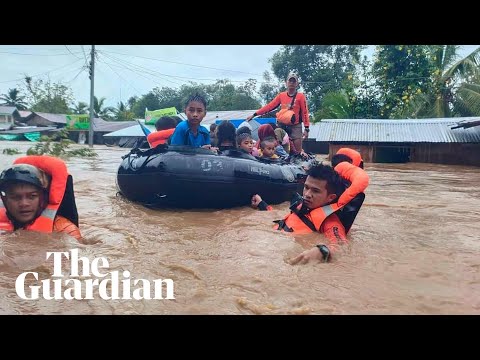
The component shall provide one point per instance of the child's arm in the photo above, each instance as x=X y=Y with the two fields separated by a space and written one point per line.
x=358 y=178
x=259 y=204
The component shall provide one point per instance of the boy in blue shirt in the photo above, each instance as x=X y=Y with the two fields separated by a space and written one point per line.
x=190 y=132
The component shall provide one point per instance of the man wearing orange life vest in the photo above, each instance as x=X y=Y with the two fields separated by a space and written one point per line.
x=37 y=195
x=314 y=212
x=317 y=212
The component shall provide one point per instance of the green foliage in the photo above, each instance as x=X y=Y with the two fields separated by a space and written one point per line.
x=322 y=68
x=149 y=101
x=401 y=72
x=58 y=145
x=13 y=98
x=100 y=111
x=11 y=151
x=220 y=96
x=269 y=88
x=80 y=108
x=122 y=113
x=45 y=96
x=467 y=101
x=335 y=105
x=425 y=81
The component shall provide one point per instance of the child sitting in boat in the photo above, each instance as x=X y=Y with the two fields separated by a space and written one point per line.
x=190 y=132
x=165 y=127
x=226 y=136
x=245 y=142
x=267 y=148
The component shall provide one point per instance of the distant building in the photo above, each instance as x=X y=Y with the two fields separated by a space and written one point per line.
x=46 y=119
x=100 y=127
x=8 y=116
x=442 y=140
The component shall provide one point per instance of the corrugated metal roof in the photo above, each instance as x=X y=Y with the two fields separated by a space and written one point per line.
x=29 y=130
x=24 y=113
x=108 y=126
x=8 y=110
x=134 y=130
x=55 y=118
x=468 y=123
x=409 y=131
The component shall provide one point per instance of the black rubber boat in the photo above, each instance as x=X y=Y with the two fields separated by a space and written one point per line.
x=185 y=177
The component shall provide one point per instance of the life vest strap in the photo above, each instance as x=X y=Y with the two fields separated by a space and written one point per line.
x=282 y=226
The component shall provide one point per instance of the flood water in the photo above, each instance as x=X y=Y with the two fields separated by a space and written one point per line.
x=414 y=249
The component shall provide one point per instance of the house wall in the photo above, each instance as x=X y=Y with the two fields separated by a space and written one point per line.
x=97 y=136
x=366 y=151
x=6 y=119
x=316 y=147
x=451 y=153
x=443 y=153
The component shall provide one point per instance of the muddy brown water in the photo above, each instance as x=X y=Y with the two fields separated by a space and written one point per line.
x=414 y=249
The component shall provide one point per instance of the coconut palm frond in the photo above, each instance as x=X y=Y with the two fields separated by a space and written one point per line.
x=468 y=66
x=335 y=105
x=468 y=100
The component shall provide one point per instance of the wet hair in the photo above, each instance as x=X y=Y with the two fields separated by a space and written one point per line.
x=244 y=130
x=165 y=122
x=269 y=139
x=326 y=172
x=213 y=127
x=338 y=158
x=243 y=136
x=177 y=119
x=225 y=132
x=197 y=97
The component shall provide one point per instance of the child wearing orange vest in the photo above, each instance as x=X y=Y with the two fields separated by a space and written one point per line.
x=348 y=164
x=165 y=128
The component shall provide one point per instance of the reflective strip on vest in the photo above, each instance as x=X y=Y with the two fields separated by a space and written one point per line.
x=328 y=210
x=49 y=213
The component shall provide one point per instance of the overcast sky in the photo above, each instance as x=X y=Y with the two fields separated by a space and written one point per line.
x=124 y=71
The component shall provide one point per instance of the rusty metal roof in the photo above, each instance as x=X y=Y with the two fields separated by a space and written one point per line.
x=397 y=131
x=468 y=123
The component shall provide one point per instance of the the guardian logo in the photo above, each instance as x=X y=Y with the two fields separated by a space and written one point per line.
x=109 y=287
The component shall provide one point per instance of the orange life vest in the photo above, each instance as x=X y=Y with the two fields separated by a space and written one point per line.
x=292 y=222
x=159 y=137
x=57 y=169
x=352 y=154
x=357 y=177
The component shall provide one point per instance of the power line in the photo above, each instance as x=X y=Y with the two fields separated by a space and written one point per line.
x=137 y=71
x=85 y=56
x=180 y=63
x=121 y=77
x=71 y=52
x=44 y=73
x=29 y=54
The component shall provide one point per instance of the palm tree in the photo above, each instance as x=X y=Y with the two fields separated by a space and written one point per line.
x=99 y=110
x=12 y=98
x=80 y=108
x=467 y=99
x=122 y=113
x=335 y=105
x=453 y=80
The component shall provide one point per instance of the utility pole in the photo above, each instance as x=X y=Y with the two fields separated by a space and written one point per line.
x=92 y=75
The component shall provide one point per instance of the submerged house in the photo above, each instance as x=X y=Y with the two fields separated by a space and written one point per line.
x=8 y=116
x=440 y=140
